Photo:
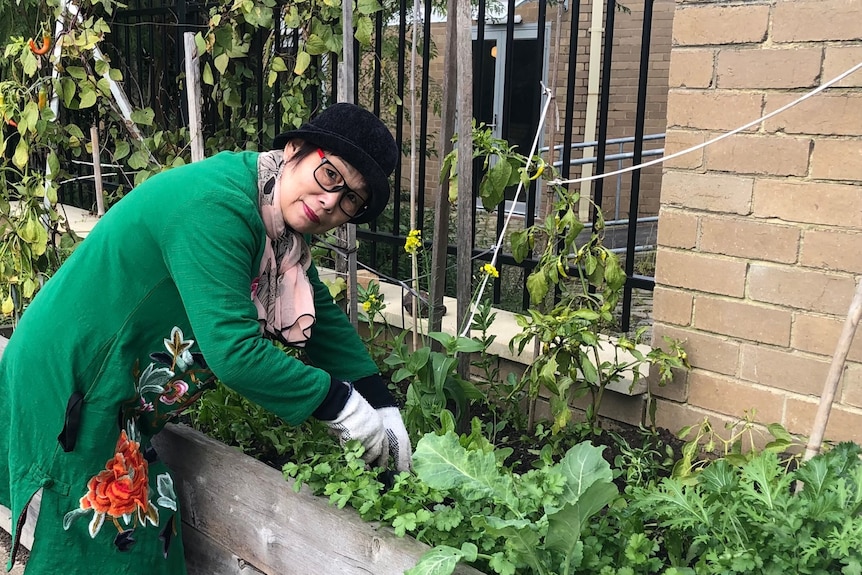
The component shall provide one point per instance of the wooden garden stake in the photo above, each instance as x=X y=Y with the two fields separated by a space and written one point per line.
x=193 y=95
x=833 y=377
x=97 y=171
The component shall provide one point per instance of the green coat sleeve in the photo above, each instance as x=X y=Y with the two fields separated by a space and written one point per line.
x=212 y=244
x=334 y=345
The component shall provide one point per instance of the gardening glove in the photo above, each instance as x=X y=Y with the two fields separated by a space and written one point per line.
x=349 y=416
x=374 y=389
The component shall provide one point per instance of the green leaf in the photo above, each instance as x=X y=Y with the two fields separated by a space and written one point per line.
x=493 y=185
x=315 y=45
x=368 y=7
x=364 y=30
x=564 y=526
x=583 y=466
x=442 y=463
x=22 y=154
x=303 y=61
x=138 y=160
x=221 y=61
x=520 y=245
x=76 y=72
x=88 y=97
x=102 y=67
x=278 y=64
x=143 y=117
x=207 y=75
x=537 y=285
x=122 y=150
x=440 y=560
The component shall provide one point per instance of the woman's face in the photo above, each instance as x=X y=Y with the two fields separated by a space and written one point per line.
x=305 y=205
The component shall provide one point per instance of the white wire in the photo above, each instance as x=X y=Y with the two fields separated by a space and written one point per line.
x=546 y=92
x=717 y=138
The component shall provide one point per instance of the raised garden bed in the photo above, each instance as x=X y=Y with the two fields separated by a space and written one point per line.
x=240 y=517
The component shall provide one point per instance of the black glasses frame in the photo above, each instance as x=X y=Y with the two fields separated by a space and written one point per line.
x=352 y=210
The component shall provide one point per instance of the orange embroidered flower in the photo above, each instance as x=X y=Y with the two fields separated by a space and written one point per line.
x=123 y=487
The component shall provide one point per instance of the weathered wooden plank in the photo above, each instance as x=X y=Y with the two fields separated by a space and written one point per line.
x=247 y=507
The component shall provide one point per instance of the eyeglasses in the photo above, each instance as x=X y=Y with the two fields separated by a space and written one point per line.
x=330 y=180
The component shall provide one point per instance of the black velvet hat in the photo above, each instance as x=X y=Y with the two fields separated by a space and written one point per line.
x=362 y=140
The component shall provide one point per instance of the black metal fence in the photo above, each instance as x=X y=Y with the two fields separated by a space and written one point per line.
x=146 y=43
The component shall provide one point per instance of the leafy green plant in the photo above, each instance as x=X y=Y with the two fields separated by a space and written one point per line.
x=541 y=515
x=746 y=518
x=737 y=445
x=577 y=357
x=225 y=415
x=434 y=382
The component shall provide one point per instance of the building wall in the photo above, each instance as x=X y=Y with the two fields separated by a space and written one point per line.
x=760 y=234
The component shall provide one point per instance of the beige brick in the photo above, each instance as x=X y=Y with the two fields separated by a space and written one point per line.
x=851 y=386
x=837 y=160
x=675 y=416
x=845 y=424
x=697 y=271
x=764 y=69
x=677 y=228
x=819 y=334
x=818 y=20
x=826 y=114
x=672 y=306
x=783 y=369
x=710 y=192
x=705 y=25
x=801 y=288
x=676 y=389
x=749 y=239
x=742 y=319
x=691 y=68
x=679 y=140
x=755 y=154
x=837 y=60
x=628 y=409
x=705 y=350
x=832 y=250
x=809 y=202
x=712 y=110
x=733 y=397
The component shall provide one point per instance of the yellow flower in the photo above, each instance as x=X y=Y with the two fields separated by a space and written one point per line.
x=490 y=270
x=366 y=305
x=414 y=241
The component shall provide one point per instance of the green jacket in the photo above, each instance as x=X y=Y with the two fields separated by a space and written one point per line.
x=150 y=309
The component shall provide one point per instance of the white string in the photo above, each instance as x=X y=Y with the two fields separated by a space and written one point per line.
x=546 y=92
x=717 y=138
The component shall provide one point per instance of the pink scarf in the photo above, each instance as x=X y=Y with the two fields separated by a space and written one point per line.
x=281 y=293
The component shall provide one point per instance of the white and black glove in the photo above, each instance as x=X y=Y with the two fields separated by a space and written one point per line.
x=374 y=389
x=350 y=416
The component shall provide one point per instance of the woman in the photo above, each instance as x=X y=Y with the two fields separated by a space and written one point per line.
x=186 y=280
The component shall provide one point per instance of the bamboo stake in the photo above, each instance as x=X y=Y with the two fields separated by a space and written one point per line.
x=346 y=233
x=833 y=377
x=97 y=171
x=465 y=173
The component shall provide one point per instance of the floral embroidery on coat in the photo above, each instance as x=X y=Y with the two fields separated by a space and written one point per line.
x=121 y=491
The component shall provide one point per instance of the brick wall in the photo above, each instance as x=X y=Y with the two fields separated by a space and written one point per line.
x=760 y=235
